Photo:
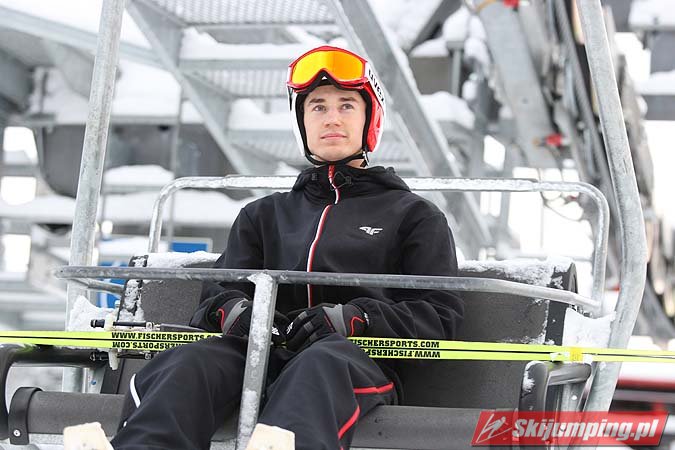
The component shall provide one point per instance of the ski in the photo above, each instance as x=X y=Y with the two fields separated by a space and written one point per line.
x=558 y=354
x=389 y=348
x=438 y=349
x=152 y=341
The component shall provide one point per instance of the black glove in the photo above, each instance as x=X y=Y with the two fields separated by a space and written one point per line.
x=321 y=320
x=234 y=318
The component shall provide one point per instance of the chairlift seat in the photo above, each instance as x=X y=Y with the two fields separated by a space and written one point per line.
x=442 y=399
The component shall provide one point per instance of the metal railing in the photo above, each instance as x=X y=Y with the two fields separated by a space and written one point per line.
x=93 y=156
x=240 y=182
x=460 y=284
x=631 y=221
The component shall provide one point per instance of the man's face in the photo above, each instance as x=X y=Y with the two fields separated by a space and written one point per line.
x=334 y=121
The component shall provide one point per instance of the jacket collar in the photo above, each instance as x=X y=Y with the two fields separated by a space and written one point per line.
x=350 y=181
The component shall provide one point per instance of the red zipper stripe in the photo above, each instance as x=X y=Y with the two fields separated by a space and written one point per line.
x=331 y=175
x=319 y=230
x=312 y=248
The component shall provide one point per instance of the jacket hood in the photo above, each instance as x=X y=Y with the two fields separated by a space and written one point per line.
x=349 y=180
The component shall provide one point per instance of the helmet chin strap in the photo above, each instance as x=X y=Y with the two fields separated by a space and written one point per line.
x=361 y=154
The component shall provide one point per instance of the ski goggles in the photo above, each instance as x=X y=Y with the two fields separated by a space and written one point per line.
x=342 y=65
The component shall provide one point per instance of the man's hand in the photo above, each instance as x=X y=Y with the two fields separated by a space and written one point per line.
x=321 y=320
x=234 y=318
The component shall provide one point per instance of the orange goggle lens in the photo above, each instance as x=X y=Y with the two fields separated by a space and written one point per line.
x=342 y=66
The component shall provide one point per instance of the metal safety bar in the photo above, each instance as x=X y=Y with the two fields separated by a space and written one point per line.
x=460 y=284
x=96 y=285
x=241 y=182
x=257 y=355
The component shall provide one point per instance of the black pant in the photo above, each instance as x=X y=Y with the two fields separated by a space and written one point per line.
x=184 y=394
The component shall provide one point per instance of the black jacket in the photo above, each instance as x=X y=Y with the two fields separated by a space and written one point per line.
x=376 y=226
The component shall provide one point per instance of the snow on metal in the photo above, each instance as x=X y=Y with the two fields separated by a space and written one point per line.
x=83 y=312
x=48 y=209
x=197 y=208
x=584 y=331
x=140 y=90
x=246 y=115
x=196 y=45
x=530 y=271
x=528 y=383
x=87 y=16
x=138 y=175
x=259 y=332
x=433 y=48
x=404 y=17
x=658 y=83
x=646 y=14
x=123 y=247
x=177 y=259
x=444 y=106
x=248 y=415
x=264 y=301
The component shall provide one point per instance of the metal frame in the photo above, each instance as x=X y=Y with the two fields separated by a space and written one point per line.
x=75 y=65
x=436 y=19
x=546 y=374
x=96 y=285
x=11 y=354
x=460 y=284
x=3 y=169
x=15 y=79
x=165 y=33
x=631 y=221
x=520 y=79
x=234 y=63
x=237 y=182
x=257 y=354
x=93 y=154
x=264 y=302
x=589 y=162
x=67 y=35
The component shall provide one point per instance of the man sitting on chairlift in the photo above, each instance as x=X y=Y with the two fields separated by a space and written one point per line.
x=340 y=216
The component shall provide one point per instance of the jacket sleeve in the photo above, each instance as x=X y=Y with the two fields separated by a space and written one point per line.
x=244 y=251
x=428 y=249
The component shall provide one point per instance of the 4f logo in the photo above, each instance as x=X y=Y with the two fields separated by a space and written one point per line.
x=371 y=231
